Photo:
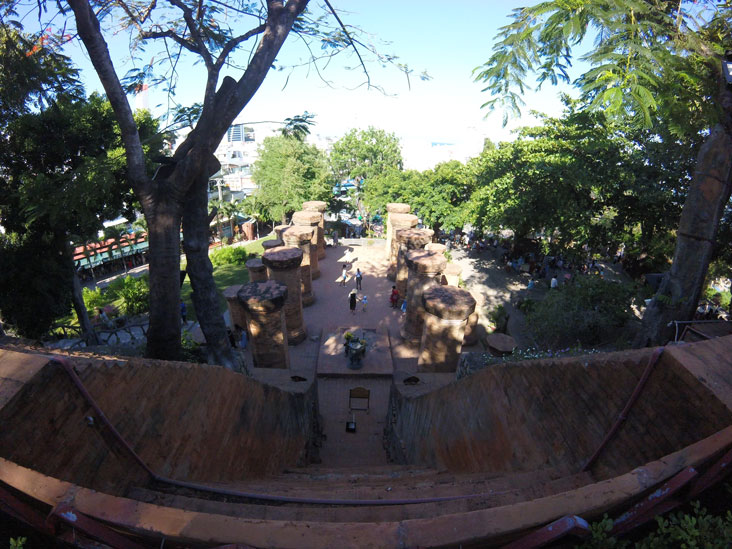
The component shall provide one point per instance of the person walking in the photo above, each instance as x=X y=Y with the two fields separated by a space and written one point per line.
x=352 y=298
x=344 y=276
x=364 y=302
x=359 y=277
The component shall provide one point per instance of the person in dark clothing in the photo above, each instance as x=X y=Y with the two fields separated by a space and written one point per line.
x=352 y=298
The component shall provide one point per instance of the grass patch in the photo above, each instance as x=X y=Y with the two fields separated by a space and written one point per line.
x=224 y=276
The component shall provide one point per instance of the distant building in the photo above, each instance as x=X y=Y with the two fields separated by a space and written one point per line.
x=237 y=153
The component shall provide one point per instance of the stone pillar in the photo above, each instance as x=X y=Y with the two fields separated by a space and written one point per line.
x=471 y=330
x=263 y=303
x=272 y=243
x=408 y=239
x=300 y=237
x=278 y=230
x=310 y=219
x=398 y=221
x=425 y=268
x=257 y=270
x=393 y=208
x=451 y=276
x=436 y=247
x=283 y=265
x=318 y=206
x=237 y=313
x=446 y=311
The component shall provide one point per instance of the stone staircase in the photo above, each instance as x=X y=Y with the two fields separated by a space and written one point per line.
x=405 y=491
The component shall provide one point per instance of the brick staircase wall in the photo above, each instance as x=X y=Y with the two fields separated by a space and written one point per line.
x=193 y=422
x=553 y=413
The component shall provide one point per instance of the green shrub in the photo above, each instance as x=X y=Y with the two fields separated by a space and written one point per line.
x=94 y=298
x=697 y=528
x=135 y=295
x=113 y=289
x=584 y=312
x=722 y=298
x=229 y=256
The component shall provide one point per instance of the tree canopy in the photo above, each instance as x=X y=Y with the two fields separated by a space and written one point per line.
x=287 y=173
x=365 y=154
x=651 y=60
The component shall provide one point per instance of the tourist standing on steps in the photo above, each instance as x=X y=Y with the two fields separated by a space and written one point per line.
x=359 y=276
x=352 y=301
x=344 y=275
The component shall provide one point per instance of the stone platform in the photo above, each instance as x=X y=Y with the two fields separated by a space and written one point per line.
x=332 y=360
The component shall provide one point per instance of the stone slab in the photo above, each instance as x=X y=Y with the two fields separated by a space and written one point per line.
x=332 y=360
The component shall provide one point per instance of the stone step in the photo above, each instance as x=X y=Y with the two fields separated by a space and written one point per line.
x=228 y=505
x=383 y=486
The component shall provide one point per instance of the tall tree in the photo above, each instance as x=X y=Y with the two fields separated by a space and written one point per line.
x=365 y=154
x=650 y=59
x=288 y=172
x=241 y=38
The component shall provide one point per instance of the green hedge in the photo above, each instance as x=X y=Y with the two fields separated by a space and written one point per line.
x=231 y=255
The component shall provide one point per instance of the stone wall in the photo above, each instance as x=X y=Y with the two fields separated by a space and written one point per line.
x=186 y=421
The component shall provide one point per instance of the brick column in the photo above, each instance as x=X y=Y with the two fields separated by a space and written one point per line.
x=398 y=221
x=318 y=206
x=393 y=208
x=237 y=313
x=451 y=275
x=408 y=239
x=446 y=311
x=283 y=265
x=278 y=230
x=300 y=237
x=263 y=303
x=310 y=219
x=425 y=268
x=257 y=270
x=436 y=247
x=272 y=243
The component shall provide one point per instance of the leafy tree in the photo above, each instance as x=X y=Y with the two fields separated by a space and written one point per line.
x=28 y=301
x=63 y=189
x=365 y=154
x=298 y=126
x=393 y=185
x=288 y=172
x=555 y=179
x=212 y=33
x=441 y=195
x=652 y=59
x=33 y=72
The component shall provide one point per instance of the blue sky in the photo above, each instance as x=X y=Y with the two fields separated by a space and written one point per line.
x=448 y=40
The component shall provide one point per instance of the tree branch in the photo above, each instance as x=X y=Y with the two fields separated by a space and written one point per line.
x=195 y=34
x=233 y=43
x=348 y=35
x=90 y=33
x=147 y=35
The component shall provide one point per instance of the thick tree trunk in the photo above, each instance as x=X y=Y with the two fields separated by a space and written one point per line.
x=163 y=339
x=205 y=295
x=709 y=192
x=77 y=299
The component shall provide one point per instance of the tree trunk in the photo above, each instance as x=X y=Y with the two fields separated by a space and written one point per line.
x=77 y=299
x=205 y=295
x=163 y=340
x=709 y=192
